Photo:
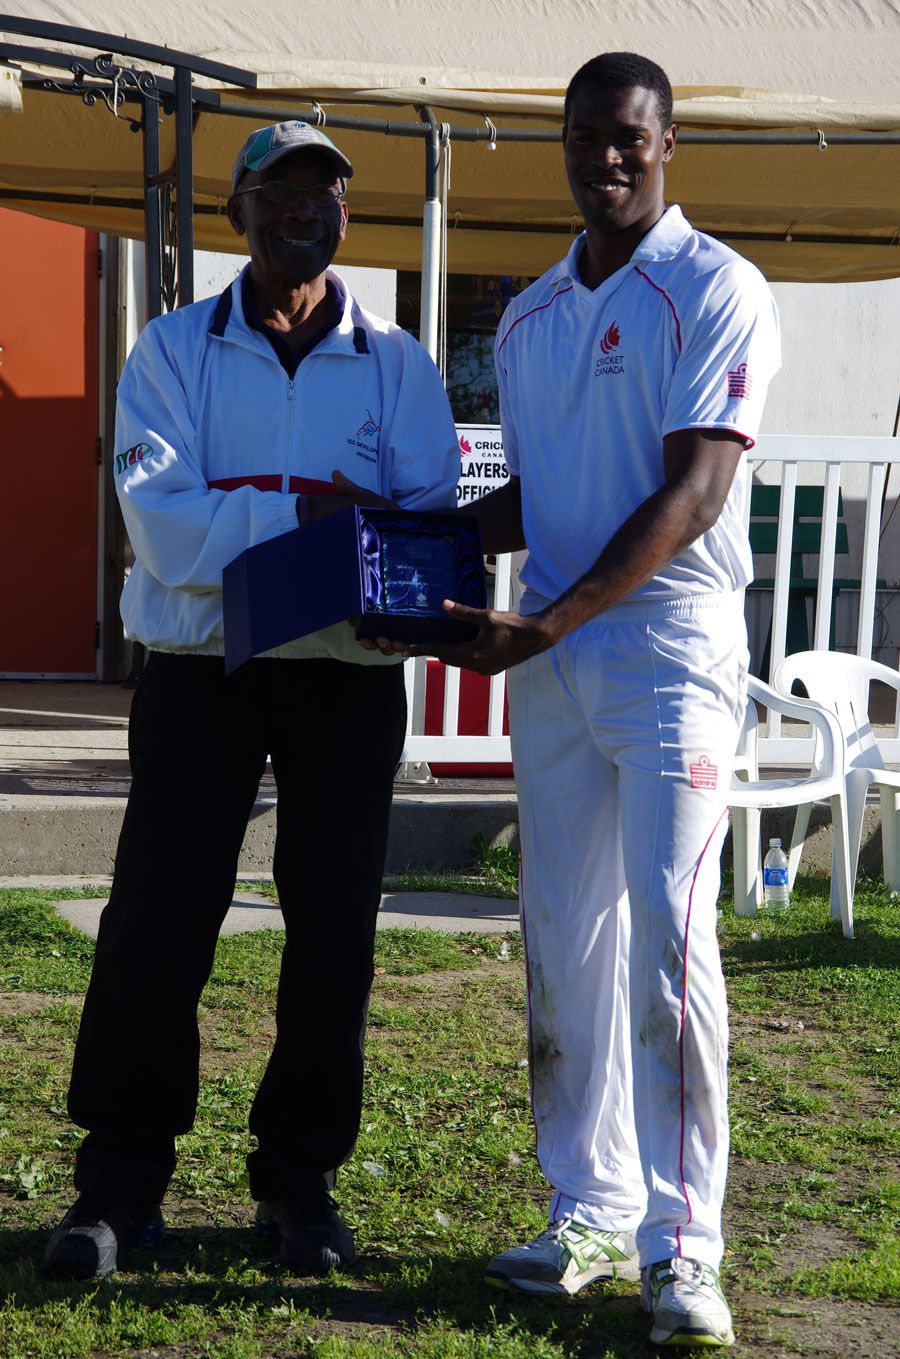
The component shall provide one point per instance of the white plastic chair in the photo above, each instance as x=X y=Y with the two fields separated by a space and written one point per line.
x=751 y=794
x=841 y=683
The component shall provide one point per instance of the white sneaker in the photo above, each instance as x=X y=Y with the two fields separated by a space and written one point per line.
x=687 y=1303
x=565 y=1258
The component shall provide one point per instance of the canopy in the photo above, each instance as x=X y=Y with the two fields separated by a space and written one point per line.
x=823 y=210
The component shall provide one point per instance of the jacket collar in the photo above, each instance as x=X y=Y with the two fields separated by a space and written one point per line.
x=347 y=337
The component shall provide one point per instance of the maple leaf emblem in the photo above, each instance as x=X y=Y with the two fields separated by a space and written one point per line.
x=611 y=340
x=464 y=444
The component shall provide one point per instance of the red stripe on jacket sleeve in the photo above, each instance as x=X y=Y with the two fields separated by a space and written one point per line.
x=272 y=482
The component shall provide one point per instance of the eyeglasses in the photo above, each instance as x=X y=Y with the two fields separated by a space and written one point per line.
x=284 y=194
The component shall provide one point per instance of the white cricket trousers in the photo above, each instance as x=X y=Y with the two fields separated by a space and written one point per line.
x=623 y=736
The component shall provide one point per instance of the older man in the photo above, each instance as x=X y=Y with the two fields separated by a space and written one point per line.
x=238 y=417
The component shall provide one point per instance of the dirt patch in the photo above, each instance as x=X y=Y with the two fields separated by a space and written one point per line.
x=32 y=1002
x=784 y=1327
x=770 y=1029
x=441 y=989
x=786 y=1042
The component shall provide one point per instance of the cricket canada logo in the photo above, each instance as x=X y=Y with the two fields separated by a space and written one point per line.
x=611 y=340
x=739 y=382
x=137 y=453
x=703 y=774
x=610 y=360
x=464 y=445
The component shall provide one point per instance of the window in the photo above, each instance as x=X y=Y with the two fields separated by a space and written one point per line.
x=475 y=304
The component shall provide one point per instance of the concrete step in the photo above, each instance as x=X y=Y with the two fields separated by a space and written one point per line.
x=71 y=834
x=77 y=835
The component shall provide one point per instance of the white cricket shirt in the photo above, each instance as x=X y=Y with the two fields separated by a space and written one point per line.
x=684 y=336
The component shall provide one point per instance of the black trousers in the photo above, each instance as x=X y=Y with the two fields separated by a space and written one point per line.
x=198 y=744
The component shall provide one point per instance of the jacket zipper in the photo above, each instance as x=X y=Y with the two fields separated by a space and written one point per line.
x=285 y=476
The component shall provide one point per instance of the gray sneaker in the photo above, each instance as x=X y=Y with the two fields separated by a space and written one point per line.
x=686 y=1301
x=565 y=1258
x=308 y=1232
x=97 y=1232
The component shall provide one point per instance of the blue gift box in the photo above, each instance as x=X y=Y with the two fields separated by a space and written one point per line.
x=389 y=568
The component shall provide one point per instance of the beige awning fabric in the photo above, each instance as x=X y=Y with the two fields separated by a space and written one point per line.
x=800 y=212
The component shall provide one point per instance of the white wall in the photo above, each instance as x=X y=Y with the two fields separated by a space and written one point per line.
x=841 y=373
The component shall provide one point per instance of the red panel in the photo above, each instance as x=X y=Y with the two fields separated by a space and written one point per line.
x=49 y=318
x=474 y=699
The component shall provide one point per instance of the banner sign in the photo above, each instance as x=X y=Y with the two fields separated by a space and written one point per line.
x=483 y=464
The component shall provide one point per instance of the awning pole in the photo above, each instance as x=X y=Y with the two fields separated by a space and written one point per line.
x=184 y=183
x=431 y=237
x=152 y=215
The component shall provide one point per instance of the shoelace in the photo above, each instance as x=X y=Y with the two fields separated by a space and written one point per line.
x=686 y=1275
x=687 y=1271
x=556 y=1229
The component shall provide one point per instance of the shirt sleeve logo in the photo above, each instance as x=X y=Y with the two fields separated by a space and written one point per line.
x=136 y=453
x=610 y=360
x=739 y=382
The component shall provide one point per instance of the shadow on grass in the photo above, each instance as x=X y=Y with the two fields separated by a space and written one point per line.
x=202 y=1267
x=823 y=947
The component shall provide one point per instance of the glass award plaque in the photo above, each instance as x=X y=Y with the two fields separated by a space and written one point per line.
x=417 y=571
x=387 y=570
x=412 y=562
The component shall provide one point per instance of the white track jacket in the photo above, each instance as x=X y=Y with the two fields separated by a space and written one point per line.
x=214 y=442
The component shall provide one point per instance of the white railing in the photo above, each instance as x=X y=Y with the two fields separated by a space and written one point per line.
x=450 y=747
x=820 y=461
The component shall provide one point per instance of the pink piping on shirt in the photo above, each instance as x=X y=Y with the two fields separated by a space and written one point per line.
x=668 y=299
x=684 y=991
x=542 y=307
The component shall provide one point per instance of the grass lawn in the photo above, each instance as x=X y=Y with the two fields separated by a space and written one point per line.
x=444 y=1173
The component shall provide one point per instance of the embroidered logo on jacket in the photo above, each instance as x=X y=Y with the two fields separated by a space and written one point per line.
x=136 y=453
x=362 y=443
x=703 y=774
x=739 y=382
x=610 y=360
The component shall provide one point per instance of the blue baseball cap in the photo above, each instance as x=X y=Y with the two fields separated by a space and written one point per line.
x=267 y=145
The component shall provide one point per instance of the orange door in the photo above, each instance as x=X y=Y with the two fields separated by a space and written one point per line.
x=49 y=425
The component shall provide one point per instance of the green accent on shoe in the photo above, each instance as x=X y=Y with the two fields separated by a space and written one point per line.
x=688 y=1305
x=564 y=1259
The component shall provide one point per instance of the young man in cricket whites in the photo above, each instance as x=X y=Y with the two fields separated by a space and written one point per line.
x=632 y=377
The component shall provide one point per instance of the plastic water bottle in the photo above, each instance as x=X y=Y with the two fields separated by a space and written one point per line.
x=775 y=878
